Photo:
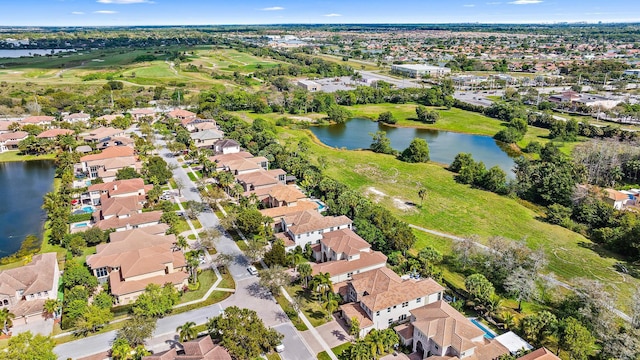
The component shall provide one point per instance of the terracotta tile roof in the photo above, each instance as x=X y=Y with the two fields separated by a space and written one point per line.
x=200 y=349
x=108 y=153
x=375 y=281
x=344 y=241
x=288 y=242
x=206 y=125
x=18 y=135
x=540 y=354
x=38 y=119
x=308 y=221
x=446 y=326
x=491 y=349
x=110 y=117
x=616 y=195
x=37 y=276
x=52 y=133
x=286 y=193
x=26 y=308
x=4 y=125
x=77 y=116
x=181 y=113
x=405 y=330
x=119 y=287
x=235 y=162
x=144 y=111
x=340 y=267
x=351 y=310
x=101 y=133
x=226 y=143
x=121 y=186
x=119 y=206
x=159 y=229
x=257 y=179
x=280 y=211
x=405 y=291
x=133 y=220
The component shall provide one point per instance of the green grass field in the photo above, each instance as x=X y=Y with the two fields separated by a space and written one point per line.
x=12 y=156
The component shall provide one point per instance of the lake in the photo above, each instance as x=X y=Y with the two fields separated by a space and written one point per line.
x=22 y=186
x=16 y=53
x=443 y=145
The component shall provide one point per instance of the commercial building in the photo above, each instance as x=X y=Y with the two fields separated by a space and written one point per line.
x=309 y=85
x=420 y=70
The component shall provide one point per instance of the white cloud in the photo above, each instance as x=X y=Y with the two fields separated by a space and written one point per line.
x=494 y=3
x=332 y=15
x=105 y=12
x=273 y=8
x=468 y=5
x=525 y=2
x=77 y=12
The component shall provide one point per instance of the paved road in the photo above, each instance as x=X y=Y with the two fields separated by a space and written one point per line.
x=248 y=295
x=400 y=83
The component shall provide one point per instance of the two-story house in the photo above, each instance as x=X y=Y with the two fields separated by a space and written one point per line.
x=9 y=141
x=240 y=163
x=259 y=182
x=24 y=290
x=131 y=261
x=106 y=164
x=40 y=120
x=342 y=253
x=52 y=134
x=207 y=138
x=200 y=349
x=124 y=213
x=114 y=189
x=140 y=114
x=307 y=227
x=439 y=330
x=185 y=116
x=379 y=298
x=77 y=117
x=101 y=134
x=226 y=146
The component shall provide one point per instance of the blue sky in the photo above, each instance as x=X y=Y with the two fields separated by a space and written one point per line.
x=214 y=12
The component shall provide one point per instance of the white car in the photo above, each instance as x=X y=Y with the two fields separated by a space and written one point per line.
x=252 y=270
x=279 y=348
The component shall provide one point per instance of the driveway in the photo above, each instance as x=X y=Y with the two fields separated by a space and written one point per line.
x=37 y=325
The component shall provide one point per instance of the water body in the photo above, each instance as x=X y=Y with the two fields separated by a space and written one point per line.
x=16 y=53
x=443 y=145
x=22 y=186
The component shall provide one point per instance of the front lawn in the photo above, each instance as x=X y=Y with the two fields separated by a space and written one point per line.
x=206 y=279
x=312 y=308
x=227 y=281
x=338 y=350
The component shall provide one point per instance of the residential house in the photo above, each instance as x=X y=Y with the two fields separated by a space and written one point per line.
x=124 y=213
x=116 y=141
x=277 y=213
x=77 y=117
x=24 y=290
x=617 y=199
x=9 y=141
x=114 y=189
x=107 y=119
x=134 y=259
x=185 y=116
x=206 y=138
x=379 y=298
x=240 y=163
x=226 y=146
x=202 y=125
x=283 y=195
x=106 y=164
x=139 y=114
x=342 y=253
x=41 y=120
x=200 y=349
x=307 y=227
x=438 y=330
x=261 y=181
x=5 y=125
x=540 y=354
x=101 y=134
x=52 y=134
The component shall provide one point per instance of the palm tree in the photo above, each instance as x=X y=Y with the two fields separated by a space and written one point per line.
x=508 y=320
x=389 y=339
x=305 y=270
x=331 y=305
x=375 y=339
x=360 y=350
x=193 y=260
x=6 y=318
x=51 y=307
x=187 y=331
x=321 y=284
x=181 y=243
x=422 y=193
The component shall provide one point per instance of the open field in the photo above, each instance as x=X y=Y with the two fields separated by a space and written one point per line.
x=356 y=64
x=461 y=210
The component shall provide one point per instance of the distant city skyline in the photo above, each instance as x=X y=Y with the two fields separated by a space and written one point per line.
x=246 y=12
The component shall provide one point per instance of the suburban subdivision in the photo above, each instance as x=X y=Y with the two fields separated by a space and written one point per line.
x=347 y=191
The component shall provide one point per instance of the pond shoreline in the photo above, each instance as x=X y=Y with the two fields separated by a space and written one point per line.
x=14 y=156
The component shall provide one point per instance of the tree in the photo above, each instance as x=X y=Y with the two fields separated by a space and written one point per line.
x=6 y=319
x=354 y=327
x=223 y=261
x=305 y=271
x=387 y=117
x=255 y=250
x=538 y=326
x=331 y=305
x=103 y=300
x=26 y=346
x=187 y=331
x=77 y=274
x=127 y=173
x=120 y=349
x=156 y=301
x=52 y=307
x=170 y=218
x=479 y=287
x=250 y=221
x=93 y=318
x=156 y=169
x=137 y=328
x=242 y=333
x=418 y=151
x=422 y=193
x=338 y=114
x=381 y=143
x=180 y=186
x=193 y=209
x=359 y=350
x=521 y=284
x=95 y=236
x=276 y=255
x=321 y=284
x=181 y=242
x=576 y=339
x=273 y=278
x=193 y=260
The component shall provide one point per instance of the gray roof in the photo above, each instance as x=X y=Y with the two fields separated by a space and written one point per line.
x=207 y=135
x=84 y=149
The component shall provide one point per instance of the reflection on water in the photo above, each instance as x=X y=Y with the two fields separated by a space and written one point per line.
x=443 y=145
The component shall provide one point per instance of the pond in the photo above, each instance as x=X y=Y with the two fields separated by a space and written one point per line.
x=443 y=145
x=22 y=186
x=16 y=53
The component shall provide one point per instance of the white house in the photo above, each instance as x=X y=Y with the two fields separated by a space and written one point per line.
x=10 y=140
x=307 y=227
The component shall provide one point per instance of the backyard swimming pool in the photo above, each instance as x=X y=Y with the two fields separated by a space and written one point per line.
x=321 y=205
x=488 y=333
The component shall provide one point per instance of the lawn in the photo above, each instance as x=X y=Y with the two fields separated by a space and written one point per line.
x=206 y=279
x=338 y=350
x=11 y=156
x=182 y=225
x=311 y=308
x=462 y=210
x=291 y=313
x=227 y=281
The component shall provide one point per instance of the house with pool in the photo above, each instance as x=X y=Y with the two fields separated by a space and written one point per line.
x=124 y=213
x=116 y=189
x=106 y=164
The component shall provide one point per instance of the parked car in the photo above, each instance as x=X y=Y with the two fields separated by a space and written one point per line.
x=252 y=270
x=279 y=348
